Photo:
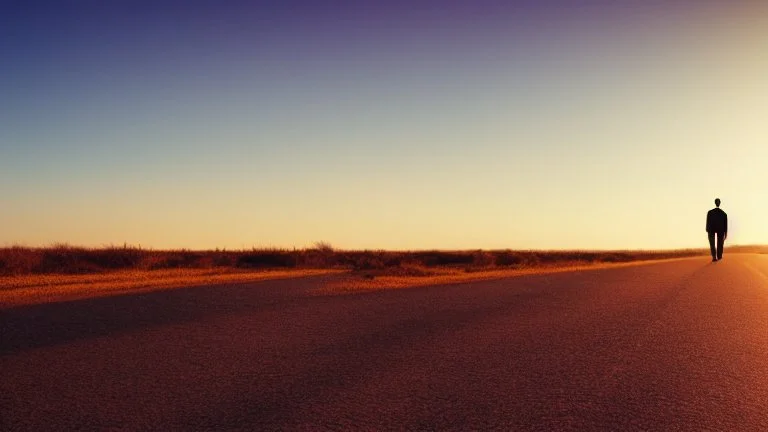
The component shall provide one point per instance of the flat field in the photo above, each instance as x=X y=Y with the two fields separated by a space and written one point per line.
x=60 y=273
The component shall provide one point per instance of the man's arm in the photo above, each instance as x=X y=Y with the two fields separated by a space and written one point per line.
x=725 y=233
x=709 y=221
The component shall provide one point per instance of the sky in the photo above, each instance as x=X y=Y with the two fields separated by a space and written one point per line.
x=561 y=124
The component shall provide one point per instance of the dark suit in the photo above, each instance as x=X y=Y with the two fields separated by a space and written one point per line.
x=717 y=224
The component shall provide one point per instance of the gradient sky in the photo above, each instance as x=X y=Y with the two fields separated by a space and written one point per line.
x=396 y=125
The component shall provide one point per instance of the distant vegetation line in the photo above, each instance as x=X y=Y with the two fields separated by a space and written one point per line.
x=66 y=259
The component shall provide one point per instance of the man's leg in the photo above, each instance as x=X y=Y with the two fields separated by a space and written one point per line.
x=712 y=249
x=720 y=243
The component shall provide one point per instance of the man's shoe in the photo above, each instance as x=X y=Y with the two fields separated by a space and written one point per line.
x=714 y=259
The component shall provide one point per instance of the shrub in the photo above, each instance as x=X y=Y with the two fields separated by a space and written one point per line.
x=324 y=247
x=508 y=258
x=614 y=257
x=443 y=258
x=262 y=259
x=369 y=261
x=18 y=260
x=483 y=259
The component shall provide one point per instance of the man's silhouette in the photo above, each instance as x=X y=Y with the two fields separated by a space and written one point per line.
x=717 y=225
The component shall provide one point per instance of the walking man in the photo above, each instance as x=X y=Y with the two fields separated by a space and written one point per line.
x=717 y=225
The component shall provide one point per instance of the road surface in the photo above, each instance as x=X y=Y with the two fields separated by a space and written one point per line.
x=679 y=345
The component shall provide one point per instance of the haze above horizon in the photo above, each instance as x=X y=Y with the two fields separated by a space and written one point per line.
x=400 y=125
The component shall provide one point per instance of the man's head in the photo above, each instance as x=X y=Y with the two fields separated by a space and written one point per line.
x=717 y=202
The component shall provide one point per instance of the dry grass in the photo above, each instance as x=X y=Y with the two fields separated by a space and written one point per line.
x=375 y=281
x=65 y=259
x=36 y=289
x=63 y=272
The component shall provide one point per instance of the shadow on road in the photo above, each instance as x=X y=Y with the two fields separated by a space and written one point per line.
x=50 y=324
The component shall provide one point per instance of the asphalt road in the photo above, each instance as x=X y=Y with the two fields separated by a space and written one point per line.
x=678 y=345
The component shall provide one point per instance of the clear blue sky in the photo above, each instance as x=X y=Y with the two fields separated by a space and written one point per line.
x=397 y=125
